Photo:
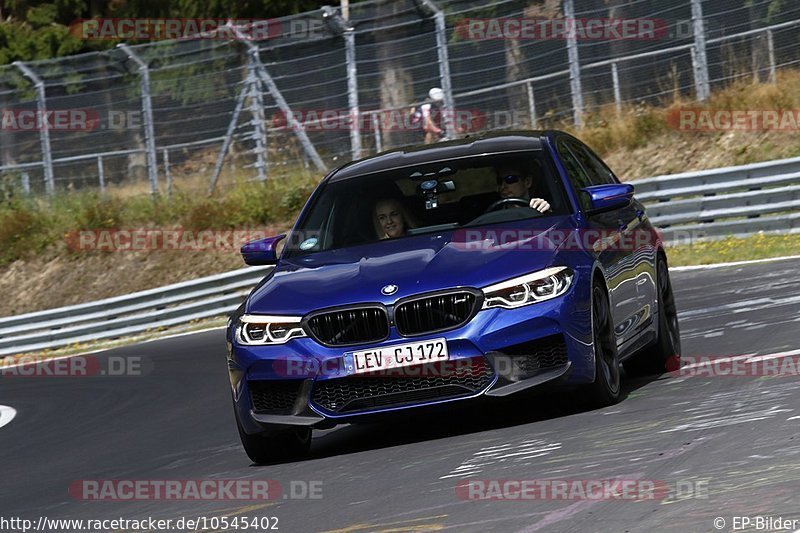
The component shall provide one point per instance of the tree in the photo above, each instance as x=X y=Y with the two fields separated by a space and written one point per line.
x=396 y=83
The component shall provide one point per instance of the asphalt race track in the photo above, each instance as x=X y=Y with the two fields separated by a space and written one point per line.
x=723 y=446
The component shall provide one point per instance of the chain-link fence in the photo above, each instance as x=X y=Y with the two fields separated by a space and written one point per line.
x=327 y=86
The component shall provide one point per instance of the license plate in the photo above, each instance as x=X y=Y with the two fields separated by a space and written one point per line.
x=399 y=355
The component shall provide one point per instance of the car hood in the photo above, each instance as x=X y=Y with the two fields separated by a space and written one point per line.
x=468 y=257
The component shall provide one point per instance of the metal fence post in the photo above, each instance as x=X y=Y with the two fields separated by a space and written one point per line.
x=147 y=112
x=427 y=6
x=167 y=172
x=617 y=92
x=699 y=58
x=298 y=128
x=574 y=65
x=531 y=105
x=226 y=142
x=101 y=174
x=267 y=80
x=257 y=118
x=26 y=183
x=341 y=26
x=773 y=76
x=352 y=93
x=376 y=126
x=44 y=129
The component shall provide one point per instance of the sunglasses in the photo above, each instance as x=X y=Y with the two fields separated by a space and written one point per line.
x=511 y=178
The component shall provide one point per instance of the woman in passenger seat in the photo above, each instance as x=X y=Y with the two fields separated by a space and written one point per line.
x=391 y=219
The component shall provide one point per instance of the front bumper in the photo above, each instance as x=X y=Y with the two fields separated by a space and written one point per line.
x=498 y=353
x=304 y=413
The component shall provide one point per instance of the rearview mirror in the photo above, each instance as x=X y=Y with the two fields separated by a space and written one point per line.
x=608 y=197
x=262 y=251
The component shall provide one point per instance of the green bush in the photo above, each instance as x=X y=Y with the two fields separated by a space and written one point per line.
x=24 y=229
x=98 y=212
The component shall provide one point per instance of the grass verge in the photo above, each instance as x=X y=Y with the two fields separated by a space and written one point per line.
x=760 y=246
x=33 y=226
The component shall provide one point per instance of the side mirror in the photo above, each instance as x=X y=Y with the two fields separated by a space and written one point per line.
x=608 y=197
x=262 y=251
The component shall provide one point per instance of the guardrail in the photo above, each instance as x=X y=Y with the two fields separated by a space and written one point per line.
x=126 y=315
x=725 y=201
x=713 y=203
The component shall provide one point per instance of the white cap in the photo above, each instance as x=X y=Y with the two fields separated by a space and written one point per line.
x=436 y=94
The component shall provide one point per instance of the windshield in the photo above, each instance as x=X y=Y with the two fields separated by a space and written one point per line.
x=434 y=197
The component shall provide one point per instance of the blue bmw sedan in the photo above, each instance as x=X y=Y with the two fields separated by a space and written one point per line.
x=473 y=268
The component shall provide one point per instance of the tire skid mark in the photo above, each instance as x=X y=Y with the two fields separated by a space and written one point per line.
x=512 y=453
x=738 y=406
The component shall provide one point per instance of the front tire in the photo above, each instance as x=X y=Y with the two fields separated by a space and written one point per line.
x=606 y=387
x=275 y=444
x=665 y=352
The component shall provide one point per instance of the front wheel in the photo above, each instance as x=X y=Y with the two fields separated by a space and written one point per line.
x=665 y=353
x=606 y=387
x=275 y=444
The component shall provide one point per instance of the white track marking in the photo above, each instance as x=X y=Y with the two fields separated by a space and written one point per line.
x=734 y=263
x=748 y=359
x=7 y=414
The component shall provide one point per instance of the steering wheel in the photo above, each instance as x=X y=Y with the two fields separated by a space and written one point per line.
x=507 y=201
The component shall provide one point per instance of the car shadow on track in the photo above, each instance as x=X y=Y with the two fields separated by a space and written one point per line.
x=459 y=418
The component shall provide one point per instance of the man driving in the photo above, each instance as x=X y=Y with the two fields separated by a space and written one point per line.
x=515 y=183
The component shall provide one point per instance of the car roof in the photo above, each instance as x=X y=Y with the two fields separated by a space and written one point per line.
x=487 y=143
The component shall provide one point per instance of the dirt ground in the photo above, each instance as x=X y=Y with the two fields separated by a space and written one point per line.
x=678 y=152
x=65 y=279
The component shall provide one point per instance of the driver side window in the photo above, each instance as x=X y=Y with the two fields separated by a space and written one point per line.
x=576 y=174
x=599 y=173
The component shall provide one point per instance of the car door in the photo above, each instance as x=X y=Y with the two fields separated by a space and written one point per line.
x=617 y=262
x=640 y=240
x=638 y=257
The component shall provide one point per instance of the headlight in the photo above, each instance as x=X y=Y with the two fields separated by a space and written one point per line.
x=268 y=329
x=528 y=289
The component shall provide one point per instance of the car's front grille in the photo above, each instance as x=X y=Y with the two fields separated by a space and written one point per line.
x=533 y=357
x=419 y=384
x=274 y=396
x=349 y=326
x=436 y=312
